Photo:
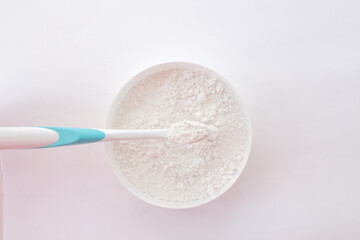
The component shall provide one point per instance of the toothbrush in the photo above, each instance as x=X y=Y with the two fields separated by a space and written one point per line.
x=46 y=137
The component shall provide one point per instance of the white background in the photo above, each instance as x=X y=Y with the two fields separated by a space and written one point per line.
x=295 y=63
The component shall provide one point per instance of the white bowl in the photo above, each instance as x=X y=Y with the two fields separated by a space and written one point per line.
x=110 y=124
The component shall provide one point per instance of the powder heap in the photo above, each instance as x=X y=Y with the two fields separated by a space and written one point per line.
x=188 y=132
x=176 y=172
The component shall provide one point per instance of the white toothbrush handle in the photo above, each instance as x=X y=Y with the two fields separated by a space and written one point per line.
x=26 y=137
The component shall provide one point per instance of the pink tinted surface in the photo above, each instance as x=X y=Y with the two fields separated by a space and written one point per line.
x=294 y=62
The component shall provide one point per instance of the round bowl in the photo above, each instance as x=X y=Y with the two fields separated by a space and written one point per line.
x=110 y=124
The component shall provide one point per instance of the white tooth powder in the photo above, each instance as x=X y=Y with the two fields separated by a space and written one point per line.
x=190 y=132
x=168 y=170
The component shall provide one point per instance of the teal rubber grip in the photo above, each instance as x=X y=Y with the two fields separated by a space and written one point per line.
x=75 y=136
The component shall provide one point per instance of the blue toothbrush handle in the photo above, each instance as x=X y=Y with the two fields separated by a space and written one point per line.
x=45 y=137
x=75 y=136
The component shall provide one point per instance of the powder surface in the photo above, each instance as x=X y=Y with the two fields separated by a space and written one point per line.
x=176 y=172
x=188 y=132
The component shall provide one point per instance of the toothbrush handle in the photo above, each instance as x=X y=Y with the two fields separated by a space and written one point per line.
x=43 y=137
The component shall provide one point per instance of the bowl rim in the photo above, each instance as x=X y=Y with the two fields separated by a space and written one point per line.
x=109 y=124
